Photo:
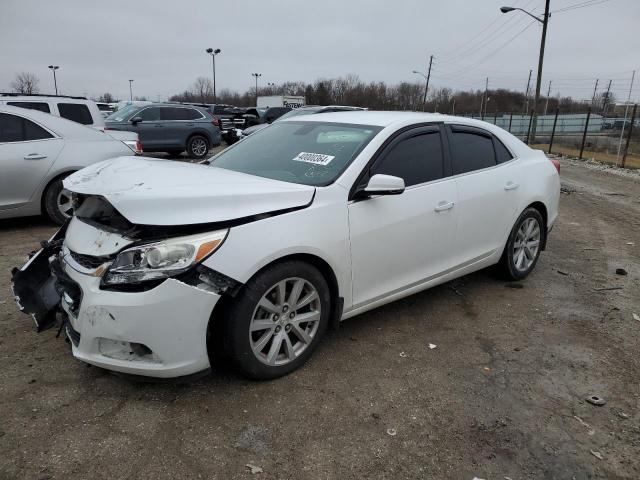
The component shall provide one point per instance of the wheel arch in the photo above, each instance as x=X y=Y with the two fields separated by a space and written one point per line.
x=46 y=186
x=542 y=208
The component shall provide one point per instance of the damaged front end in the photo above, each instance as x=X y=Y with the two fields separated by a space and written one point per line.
x=35 y=287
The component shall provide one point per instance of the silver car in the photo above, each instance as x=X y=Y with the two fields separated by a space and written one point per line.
x=37 y=151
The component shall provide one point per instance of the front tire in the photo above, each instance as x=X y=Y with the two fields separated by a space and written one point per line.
x=57 y=202
x=198 y=147
x=523 y=245
x=277 y=320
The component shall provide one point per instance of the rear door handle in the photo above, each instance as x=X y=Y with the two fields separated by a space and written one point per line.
x=34 y=156
x=511 y=185
x=158 y=125
x=442 y=206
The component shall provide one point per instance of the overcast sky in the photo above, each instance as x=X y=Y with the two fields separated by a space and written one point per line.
x=99 y=45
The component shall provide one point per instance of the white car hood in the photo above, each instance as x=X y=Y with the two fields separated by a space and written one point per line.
x=150 y=191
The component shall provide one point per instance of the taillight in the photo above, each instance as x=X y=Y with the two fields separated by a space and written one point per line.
x=216 y=122
x=556 y=163
x=138 y=147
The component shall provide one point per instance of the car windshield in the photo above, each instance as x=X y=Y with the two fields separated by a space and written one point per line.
x=310 y=153
x=296 y=112
x=122 y=114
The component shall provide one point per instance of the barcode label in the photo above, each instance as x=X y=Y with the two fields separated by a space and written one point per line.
x=315 y=158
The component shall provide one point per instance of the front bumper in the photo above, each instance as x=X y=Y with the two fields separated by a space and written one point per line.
x=158 y=333
x=161 y=332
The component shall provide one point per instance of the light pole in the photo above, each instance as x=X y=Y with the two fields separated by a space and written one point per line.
x=213 y=54
x=130 y=90
x=256 y=75
x=544 y=21
x=55 y=83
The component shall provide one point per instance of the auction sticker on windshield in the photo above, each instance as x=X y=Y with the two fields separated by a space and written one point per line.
x=315 y=158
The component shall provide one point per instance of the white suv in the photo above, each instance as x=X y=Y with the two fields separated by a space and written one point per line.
x=76 y=109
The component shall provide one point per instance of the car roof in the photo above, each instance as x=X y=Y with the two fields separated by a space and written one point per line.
x=59 y=125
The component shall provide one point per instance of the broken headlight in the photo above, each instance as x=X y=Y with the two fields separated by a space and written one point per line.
x=160 y=260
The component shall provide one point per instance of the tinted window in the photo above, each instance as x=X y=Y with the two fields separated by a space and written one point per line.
x=75 y=111
x=18 y=129
x=471 y=151
x=176 y=113
x=151 y=114
x=416 y=159
x=41 y=106
x=502 y=154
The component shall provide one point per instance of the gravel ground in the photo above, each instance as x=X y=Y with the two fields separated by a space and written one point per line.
x=502 y=395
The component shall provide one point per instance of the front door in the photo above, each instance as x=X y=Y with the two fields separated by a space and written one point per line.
x=398 y=241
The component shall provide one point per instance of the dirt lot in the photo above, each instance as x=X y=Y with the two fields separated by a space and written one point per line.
x=501 y=396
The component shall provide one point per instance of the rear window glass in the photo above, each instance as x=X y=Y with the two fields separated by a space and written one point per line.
x=41 y=106
x=76 y=112
x=177 y=113
x=17 y=129
x=471 y=151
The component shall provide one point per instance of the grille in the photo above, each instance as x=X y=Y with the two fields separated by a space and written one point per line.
x=73 y=334
x=88 y=261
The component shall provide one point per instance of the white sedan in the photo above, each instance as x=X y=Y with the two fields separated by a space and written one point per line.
x=303 y=224
x=38 y=150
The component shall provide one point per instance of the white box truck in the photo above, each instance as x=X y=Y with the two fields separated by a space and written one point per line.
x=280 y=101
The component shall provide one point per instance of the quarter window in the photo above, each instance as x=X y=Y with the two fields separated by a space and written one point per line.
x=502 y=154
x=76 y=112
x=17 y=129
x=471 y=151
x=416 y=160
x=41 y=106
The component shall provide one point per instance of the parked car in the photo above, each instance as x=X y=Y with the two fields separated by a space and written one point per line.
x=255 y=117
x=105 y=109
x=301 y=111
x=77 y=109
x=37 y=152
x=262 y=248
x=171 y=128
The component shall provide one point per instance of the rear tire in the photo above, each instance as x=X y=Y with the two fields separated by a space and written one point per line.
x=524 y=245
x=198 y=147
x=266 y=343
x=57 y=202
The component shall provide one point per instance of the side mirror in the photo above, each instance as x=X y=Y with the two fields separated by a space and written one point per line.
x=135 y=120
x=384 y=185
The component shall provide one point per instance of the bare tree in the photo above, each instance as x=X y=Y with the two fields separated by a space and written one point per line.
x=26 y=83
x=106 y=98
x=203 y=89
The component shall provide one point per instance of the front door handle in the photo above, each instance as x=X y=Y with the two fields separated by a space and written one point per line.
x=34 y=156
x=442 y=206
x=157 y=125
x=511 y=185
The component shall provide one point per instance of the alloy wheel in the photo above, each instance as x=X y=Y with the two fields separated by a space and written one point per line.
x=64 y=203
x=527 y=244
x=199 y=147
x=285 y=321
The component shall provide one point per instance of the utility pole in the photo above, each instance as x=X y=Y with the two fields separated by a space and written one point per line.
x=426 y=87
x=545 y=22
x=605 y=101
x=546 y=103
x=626 y=109
x=593 y=98
x=483 y=104
x=526 y=94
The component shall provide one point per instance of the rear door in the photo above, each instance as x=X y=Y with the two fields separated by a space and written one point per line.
x=179 y=123
x=27 y=152
x=399 y=241
x=488 y=178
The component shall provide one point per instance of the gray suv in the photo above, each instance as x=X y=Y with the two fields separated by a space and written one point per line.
x=171 y=128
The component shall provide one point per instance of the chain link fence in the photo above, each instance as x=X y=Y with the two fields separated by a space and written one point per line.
x=610 y=139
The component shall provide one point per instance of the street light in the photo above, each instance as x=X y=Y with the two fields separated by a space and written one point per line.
x=256 y=75
x=213 y=54
x=130 y=90
x=55 y=83
x=544 y=21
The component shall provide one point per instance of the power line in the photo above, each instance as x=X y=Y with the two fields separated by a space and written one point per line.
x=576 y=6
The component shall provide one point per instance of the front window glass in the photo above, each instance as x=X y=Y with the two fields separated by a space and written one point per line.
x=122 y=114
x=311 y=153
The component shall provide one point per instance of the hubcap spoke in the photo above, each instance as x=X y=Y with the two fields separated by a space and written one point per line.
x=258 y=325
x=310 y=297
x=288 y=348
x=275 y=348
x=268 y=305
x=300 y=333
x=294 y=296
x=264 y=339
x=526 y=244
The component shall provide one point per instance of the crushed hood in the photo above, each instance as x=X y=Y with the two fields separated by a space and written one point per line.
x=150 y=191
